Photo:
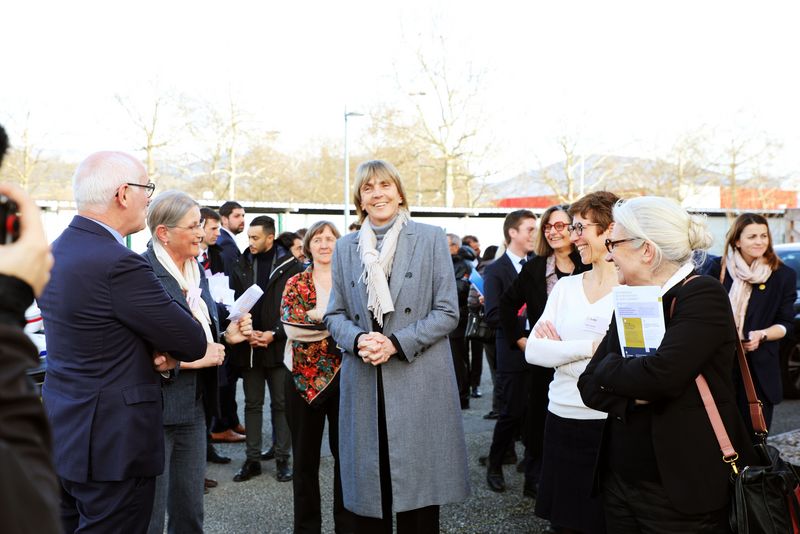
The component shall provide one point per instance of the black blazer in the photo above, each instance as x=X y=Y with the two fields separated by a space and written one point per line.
x=230 y=251
x=770 y=303
x=283 y=267
x=496 y=279
x=529 y=288
x=700 y=338
x=180 y=392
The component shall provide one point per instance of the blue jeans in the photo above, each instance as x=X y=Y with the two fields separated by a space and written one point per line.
x=179 y=489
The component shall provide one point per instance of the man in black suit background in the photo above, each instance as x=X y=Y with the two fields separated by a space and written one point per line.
x=269 y=265
x=232 y=218
x=519 y=229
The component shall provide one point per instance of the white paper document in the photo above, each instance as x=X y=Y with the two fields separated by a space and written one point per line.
x=640 y=319
x=245 y=303
x=219 y=286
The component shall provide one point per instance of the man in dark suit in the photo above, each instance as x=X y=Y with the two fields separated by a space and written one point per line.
x=224 y=255
x=210 y=255
x=106 y=316
x=519 y=229
x=29 y=493
x=232 y=217
x=269 y=265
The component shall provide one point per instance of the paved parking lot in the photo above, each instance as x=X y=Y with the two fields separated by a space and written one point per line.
x=264 y=505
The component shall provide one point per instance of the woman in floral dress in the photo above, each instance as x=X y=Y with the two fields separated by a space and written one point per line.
x=312 y=394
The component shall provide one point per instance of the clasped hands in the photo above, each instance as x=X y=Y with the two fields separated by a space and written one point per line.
x=236 y=332
x=375 y=348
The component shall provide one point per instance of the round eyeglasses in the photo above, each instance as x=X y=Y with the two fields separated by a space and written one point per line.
x=559 y=226
x=578 y=228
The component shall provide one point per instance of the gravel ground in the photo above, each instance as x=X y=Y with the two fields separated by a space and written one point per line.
x=264 y=505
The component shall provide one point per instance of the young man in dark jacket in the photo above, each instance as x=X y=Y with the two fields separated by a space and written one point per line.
x=269 y=265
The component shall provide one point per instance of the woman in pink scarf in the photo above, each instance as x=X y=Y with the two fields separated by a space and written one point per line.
x=762 y=293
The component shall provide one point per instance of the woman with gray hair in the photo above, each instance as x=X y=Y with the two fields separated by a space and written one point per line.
x=660 y=466
x=174 y=222
x=393 y=302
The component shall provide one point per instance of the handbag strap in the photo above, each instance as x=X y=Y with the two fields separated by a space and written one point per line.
x=729 y=454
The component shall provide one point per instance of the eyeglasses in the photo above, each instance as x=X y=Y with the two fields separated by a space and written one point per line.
x=192 y=228
x=559 y=226
x=610 y=245
x=150 y=187
x=578 y=228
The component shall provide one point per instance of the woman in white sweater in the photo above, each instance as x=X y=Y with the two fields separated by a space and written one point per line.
x=565 y=337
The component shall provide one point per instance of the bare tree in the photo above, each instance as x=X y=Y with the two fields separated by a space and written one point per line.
x=24 y=159
x=449 y=117
x=577 y=174
x=148 y=121
x=741 y=160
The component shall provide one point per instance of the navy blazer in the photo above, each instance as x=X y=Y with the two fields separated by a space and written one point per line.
x=497 y=278
x=106 y=313
x=180 y=392
x=770 y=303
x=230 y=251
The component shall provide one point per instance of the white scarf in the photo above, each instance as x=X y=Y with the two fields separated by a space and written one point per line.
x=188 y=278
x=378 y=266
x=744 y=276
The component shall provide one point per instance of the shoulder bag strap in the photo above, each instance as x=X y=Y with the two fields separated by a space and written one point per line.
x=729 y=454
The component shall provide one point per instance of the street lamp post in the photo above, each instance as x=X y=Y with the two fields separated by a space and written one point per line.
x=347 y=170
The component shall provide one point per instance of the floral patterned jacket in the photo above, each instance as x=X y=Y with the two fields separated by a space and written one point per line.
x=315 y=364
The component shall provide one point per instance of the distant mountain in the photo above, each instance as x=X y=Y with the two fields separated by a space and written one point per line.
x=600 y=172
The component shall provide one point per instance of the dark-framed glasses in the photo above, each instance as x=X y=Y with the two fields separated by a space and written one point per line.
x=559 y=226
x=610 y=245
x=149 y=187
x=578 y=228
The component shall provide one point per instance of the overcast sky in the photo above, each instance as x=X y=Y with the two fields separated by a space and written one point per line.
x=622 y=77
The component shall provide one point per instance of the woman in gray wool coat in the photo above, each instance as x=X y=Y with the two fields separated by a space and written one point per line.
x=392 y=304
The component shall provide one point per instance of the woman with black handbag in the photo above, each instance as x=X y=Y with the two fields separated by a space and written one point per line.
x=660 y=467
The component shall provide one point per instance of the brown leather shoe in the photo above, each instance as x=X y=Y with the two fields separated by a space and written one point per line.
x=240 y=429
x=229 y=436
x=210 y=483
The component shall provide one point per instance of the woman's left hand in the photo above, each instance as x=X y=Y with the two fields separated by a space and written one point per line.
x=546 y=330
x=240 y=330
x=754 y=340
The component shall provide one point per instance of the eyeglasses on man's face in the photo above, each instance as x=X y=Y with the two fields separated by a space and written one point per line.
x=559 y=226
x=611 y=245
x=578 y=228
x=150 y=187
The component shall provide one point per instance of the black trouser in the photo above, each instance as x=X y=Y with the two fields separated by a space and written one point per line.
x=491 y=359
x=475 y=363
x=643 y=507
x=534 y=421
x=420 y=521
x=228 y=409
x=307 y=423
x=458 y=348
x=513 y=399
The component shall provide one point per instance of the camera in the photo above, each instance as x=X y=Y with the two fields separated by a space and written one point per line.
x=9 y=221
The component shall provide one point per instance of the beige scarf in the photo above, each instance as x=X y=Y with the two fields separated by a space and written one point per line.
x=188 y=278
x=378 y=265
x=744 y=276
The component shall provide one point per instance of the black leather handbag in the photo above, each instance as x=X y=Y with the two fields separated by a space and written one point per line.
x=478 y=329
x=765 y=499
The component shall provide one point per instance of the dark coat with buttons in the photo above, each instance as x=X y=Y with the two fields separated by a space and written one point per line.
x=770 y=303
x=427 y=451
x=700 y=338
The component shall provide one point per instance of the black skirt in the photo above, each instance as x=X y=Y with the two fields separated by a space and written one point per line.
x=565 y=486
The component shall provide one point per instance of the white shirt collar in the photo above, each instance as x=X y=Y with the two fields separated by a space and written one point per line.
x=679 y=275
x=227 y=232
x=515 y=260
